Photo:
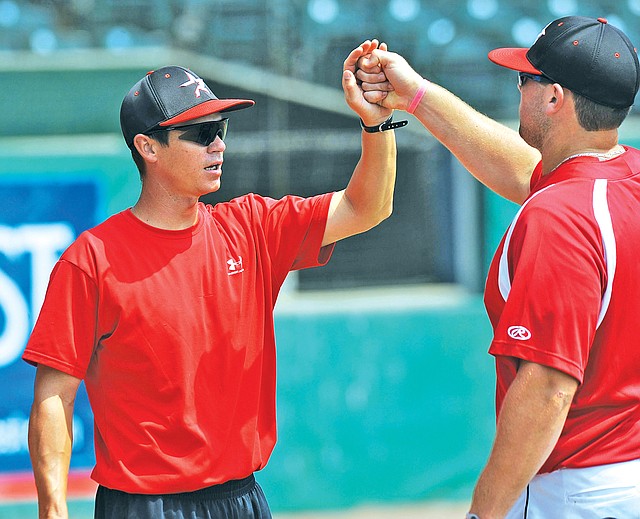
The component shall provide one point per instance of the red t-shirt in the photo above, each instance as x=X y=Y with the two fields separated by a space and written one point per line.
x=173 y=333
x=563 y=290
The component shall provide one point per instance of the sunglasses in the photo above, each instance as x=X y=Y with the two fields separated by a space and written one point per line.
x=523 y=77
x=200 y=133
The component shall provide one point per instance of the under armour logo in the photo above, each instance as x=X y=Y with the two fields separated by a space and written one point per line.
x=199 y=83
x=235 y=266
x=519 y=333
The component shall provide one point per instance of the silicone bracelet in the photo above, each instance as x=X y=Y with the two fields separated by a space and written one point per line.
x=418 y=97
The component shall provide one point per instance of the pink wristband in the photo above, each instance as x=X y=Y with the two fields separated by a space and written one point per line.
x=418 y=97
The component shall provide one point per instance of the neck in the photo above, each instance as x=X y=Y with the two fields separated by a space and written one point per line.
x=603 y=145
x=171 y=217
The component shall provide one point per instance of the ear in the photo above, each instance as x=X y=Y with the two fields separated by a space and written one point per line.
x=146 y=146
x=557 y=97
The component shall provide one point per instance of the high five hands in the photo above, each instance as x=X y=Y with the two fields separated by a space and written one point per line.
x=360 y=93
x=387 y=79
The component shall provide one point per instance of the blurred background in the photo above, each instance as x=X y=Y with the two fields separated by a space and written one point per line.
x=385 y=390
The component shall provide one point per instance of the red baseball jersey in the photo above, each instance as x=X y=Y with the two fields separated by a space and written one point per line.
x=563 y=290
x=173 y=333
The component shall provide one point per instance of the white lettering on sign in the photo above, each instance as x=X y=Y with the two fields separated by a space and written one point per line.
x=44 y=243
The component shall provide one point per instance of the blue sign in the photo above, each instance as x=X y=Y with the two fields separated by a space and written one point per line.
x=39 y=218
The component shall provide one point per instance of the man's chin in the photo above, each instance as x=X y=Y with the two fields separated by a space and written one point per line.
x=529 y=139
x=213 y=187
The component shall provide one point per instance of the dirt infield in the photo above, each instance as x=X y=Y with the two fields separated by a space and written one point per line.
x=410 y=511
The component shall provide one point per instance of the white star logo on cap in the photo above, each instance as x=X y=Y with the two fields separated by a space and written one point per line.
x=544 y=31
x=200 y=86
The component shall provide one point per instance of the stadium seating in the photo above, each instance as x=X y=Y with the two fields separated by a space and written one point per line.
x=446 y=40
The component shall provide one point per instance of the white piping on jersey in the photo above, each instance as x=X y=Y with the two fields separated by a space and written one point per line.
x=603 y=219
x=504 y=280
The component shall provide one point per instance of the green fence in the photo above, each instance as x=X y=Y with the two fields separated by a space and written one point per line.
x=387 y=404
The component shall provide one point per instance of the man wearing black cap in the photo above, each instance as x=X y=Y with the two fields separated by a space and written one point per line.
x=165 y=310
x=562 y=292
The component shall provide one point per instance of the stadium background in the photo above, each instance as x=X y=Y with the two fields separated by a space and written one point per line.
x=385 y=390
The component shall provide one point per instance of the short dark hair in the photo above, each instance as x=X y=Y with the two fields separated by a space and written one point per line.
x=593 y=116
x=161 y=137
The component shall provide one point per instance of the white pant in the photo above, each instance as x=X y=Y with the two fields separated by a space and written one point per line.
x=602 y=492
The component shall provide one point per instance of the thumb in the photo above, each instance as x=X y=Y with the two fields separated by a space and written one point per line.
x=352 y=92
x=348 y=82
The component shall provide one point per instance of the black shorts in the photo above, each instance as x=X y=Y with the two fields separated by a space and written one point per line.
x=241 y=499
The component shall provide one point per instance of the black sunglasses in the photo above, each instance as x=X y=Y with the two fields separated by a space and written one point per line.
x=524 y=76
x=200 y=133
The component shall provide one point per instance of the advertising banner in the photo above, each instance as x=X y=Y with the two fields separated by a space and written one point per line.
x=39 y=218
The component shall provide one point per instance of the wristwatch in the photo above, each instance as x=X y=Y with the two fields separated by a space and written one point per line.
x=383 y=127
x=472 y=516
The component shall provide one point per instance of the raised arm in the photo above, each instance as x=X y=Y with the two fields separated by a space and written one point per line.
x=51 y=438
x=493 y=153
x=368 y=197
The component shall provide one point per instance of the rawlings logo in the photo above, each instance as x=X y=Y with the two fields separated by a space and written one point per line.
x=519 y=333
x=199 y=83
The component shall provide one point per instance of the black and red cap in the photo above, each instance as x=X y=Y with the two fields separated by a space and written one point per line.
x=586 y=55
x=167 y=96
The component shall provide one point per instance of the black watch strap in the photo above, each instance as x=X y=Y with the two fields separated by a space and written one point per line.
x=383 y=127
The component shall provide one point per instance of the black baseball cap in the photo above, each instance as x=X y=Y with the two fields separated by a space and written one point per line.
x=168 y=96
x=586 y=55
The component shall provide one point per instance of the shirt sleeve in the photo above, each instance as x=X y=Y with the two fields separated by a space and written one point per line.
x=557 y=273
x=302 y=220
x=293 y=229
x=64 y=335
x=287 y=233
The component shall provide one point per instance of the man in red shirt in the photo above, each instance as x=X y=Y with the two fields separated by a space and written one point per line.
x=165 y=310
x=563 y=290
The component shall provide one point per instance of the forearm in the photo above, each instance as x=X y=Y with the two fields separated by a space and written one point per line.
x=370 y=189
x=493 y=153
x=531 y=420
x=368 y=198
x=51 y=438
x=50 y=442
